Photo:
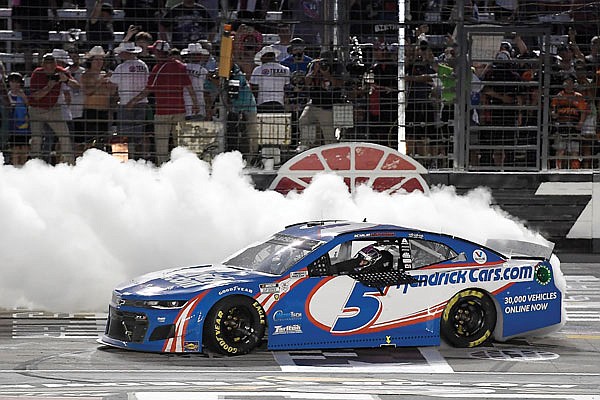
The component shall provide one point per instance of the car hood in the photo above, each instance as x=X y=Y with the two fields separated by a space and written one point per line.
x=183 y=283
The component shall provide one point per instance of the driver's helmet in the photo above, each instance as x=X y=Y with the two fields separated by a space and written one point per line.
x=368 y=256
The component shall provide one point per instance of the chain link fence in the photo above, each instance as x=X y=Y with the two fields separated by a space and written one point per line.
x=462 y=85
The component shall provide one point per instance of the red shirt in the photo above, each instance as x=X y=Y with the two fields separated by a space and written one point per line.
x=168 y=80
x=39 y=79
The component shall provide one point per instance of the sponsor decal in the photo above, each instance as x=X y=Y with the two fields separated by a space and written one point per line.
x=543 y=276
x=406 y=257
x=298 y=274
x=161 y=319
x=462 y=276
x=528 y=302
x=281 y=315
x=268 y=288
x=479 y=256
x=191 y=346
x=236 y=289
x=287 y=329
x=415 y=236
x=375 y=234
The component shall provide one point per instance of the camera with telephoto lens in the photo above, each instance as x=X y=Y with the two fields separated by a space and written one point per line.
x=233 y=88
x=54 y=77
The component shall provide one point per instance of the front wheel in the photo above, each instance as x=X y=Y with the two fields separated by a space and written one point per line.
x=468 y=319
x=234 y=326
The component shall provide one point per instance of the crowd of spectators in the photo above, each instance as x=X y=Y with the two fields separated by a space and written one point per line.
x=163 y=73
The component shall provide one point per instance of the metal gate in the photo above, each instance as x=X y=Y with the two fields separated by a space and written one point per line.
x=504 y=115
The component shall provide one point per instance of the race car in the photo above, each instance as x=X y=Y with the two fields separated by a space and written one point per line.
x=342 y=284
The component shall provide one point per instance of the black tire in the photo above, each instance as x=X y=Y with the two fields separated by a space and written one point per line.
x=234 y=326
x=468 y=319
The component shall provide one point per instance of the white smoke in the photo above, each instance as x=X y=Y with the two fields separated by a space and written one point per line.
x=69 y=234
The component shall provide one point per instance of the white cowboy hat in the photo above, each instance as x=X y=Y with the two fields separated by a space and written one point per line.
x=128 y=47
x=194 y=48
x=267 y=49
x=96 y=51
x=62 y=55
x=263 y=51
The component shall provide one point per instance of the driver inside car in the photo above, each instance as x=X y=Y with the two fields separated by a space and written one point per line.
x=368 y=259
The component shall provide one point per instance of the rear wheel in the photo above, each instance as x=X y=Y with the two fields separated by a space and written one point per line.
x=468 y=319
x=235 y=325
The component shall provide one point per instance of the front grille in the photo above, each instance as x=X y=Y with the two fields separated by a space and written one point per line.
x=126 y=326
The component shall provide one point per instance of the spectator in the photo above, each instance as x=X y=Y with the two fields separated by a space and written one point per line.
x=76 y=71
x=19 y=129
x=144 y=41
x=284 y=31
x=324 y=90
x=63 y=60
x=168 y=80
x=186 y=22
x=297 y=60
x=208 y=61
x=593 y=59
x=130 y=77
x=383 y=96
x=195 y=68
x=248 y=41
x=241 y=106
x=420 y=110
x=97 y=91
x=4 y=108
x=504 y=91
x=268 y=81
x=569 y=112
x=43 y=108
x=588 y=88
x=100 y=30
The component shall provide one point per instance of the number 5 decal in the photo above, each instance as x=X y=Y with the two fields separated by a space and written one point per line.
x=360 y=311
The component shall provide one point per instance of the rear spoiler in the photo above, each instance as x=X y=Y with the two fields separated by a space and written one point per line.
x=518 y=248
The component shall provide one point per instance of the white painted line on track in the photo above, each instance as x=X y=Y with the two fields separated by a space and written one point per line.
x=225 y=395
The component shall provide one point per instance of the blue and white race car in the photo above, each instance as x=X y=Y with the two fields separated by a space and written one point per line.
x=339 y=284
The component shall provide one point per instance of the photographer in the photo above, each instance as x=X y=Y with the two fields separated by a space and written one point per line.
x=324 y=90
x=45 y=89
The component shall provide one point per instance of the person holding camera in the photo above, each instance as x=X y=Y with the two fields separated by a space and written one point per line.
x=324 y=90
x=45 y=88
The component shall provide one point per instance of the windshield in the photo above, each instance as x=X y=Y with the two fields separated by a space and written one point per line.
x=275 y=256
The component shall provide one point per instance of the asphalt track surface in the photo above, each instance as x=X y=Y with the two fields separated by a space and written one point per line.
x=55 y=356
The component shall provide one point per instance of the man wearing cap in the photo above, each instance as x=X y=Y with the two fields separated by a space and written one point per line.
x=45 y=87
x=130 y=77
x=63 y=60
x=195 y=55
x=168 y=80
x=297 y=60
x=268 y=81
